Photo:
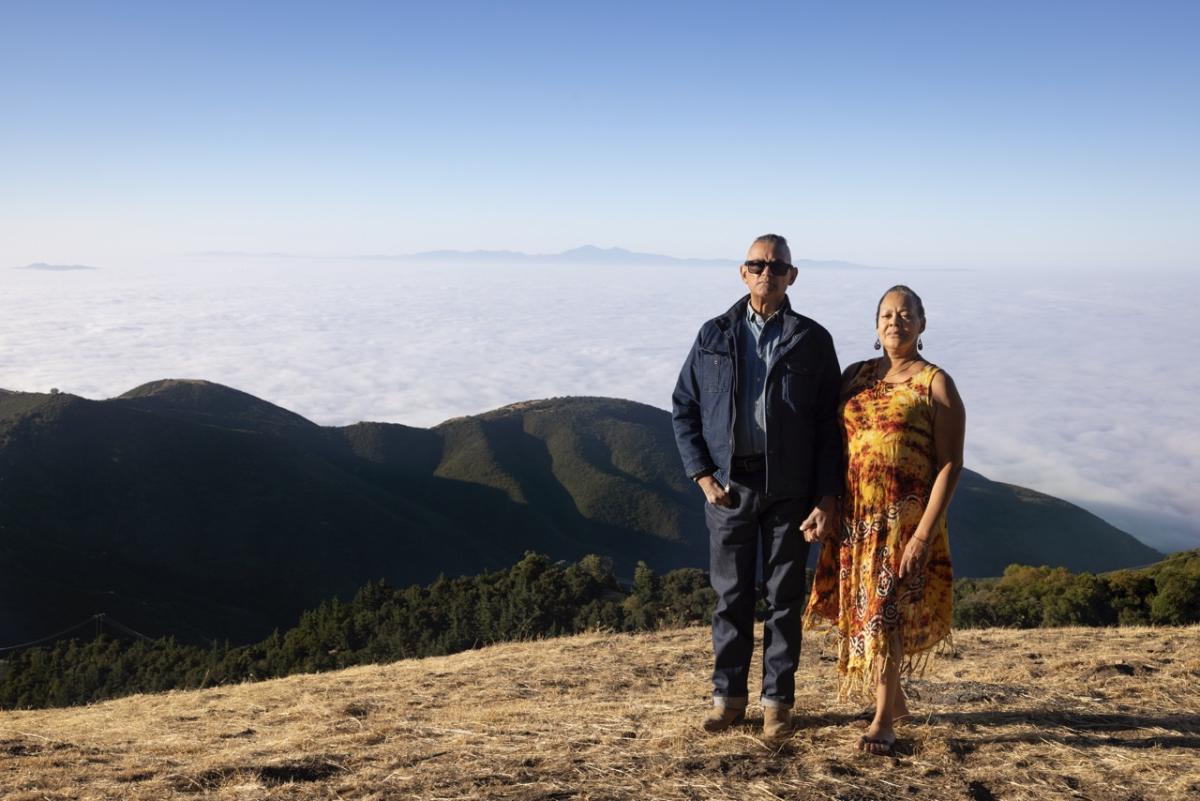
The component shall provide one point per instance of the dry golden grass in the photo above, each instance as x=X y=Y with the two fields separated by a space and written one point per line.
x=1073 y=713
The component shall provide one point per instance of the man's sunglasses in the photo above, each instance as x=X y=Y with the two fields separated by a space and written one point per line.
x=758 y=265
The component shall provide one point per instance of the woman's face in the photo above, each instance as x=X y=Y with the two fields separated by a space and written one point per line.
x=899 y=323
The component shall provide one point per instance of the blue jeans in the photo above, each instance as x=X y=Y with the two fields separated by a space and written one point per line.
x=735 y=536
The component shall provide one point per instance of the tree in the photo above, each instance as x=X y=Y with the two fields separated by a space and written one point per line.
x=1177 y=602
x=642 y=606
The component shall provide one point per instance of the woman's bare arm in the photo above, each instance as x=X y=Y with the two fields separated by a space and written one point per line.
x=949 y=432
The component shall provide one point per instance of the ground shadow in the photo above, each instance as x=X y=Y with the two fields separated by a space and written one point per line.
x=966 y=746
x=1089 y=721
x=1080 y=730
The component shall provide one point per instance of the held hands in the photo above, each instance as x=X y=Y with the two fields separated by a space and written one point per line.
x=714 y=493
x=819 y=522
x=915 y=554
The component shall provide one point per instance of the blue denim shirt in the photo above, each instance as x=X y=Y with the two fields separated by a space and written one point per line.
x=756 y=341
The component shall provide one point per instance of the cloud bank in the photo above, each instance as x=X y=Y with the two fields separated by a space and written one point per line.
x=1080 y=387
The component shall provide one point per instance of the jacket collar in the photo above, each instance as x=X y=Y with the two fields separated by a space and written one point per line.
x=728 y=321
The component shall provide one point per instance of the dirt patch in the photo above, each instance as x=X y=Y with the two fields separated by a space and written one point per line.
x=134 y=775
x=242 y=733
x=1123 y=669
x=838 y=769
x=534 y=794
x=359 y=710
x=734 y=766
x=18 y=748
x=978 y=791
x=961 y=748
x=312 y=769
x=950 y=693
x=304 y=770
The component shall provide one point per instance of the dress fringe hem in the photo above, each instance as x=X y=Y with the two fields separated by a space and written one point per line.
x=860 y=682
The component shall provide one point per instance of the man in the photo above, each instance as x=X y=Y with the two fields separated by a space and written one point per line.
x=755 y=413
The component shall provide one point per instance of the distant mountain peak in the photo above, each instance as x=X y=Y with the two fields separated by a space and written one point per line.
x=567 y=404
x=170 y=386
x=591 y=249
x=590 y=255
x=200 y=398
x=166 y=384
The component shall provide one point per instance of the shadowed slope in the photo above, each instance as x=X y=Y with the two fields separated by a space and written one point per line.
x=197 y=529
x=993 y=525
x=189 y=508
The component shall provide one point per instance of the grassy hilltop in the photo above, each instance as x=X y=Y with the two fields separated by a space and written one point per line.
x=1108 y=715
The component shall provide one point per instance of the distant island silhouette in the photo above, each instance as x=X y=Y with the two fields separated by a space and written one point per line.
x=55 y=268
x=585 y=255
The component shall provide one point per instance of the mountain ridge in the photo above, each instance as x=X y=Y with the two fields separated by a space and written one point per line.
x=583 y=254
x=184 y=505
x=591 y=254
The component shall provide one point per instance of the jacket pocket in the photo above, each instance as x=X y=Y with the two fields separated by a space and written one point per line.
x=799 y=386
x=716 y=371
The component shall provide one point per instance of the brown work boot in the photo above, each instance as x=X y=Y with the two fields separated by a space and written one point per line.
x=777 y=723
x=720 y=718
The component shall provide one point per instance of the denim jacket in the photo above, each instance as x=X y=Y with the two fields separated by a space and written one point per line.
x=804 y=442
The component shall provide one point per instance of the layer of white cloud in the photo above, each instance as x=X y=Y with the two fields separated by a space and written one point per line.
x=1083 y=387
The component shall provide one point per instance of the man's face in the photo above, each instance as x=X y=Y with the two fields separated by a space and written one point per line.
x=767 y=287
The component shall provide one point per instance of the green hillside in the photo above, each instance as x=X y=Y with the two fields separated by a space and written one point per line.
x=188 y=508
x=993 y=525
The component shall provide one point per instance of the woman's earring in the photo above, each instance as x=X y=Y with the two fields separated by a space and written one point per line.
x=877 y=345
x=920 y=346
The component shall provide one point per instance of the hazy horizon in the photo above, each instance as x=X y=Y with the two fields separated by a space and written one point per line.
x=176 y=265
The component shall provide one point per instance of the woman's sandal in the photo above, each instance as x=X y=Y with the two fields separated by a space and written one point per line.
x=889 y=746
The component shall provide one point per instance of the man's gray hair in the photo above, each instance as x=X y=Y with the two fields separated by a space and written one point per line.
x=774 y=240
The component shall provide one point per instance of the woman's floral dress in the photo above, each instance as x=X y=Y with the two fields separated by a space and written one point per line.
x=888 y=435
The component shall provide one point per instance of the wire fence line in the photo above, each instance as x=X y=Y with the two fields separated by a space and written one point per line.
x=100 y=620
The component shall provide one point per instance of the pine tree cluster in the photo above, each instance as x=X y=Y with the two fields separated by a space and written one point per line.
x=540 y=598
x=534 y=598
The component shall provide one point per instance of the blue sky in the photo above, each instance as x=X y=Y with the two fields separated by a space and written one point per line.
x=1043 y=136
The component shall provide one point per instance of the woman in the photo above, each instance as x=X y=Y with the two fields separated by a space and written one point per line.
x=883 y=584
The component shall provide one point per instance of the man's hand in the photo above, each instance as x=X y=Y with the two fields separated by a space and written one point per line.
x=819 y=522
x=714 y=492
